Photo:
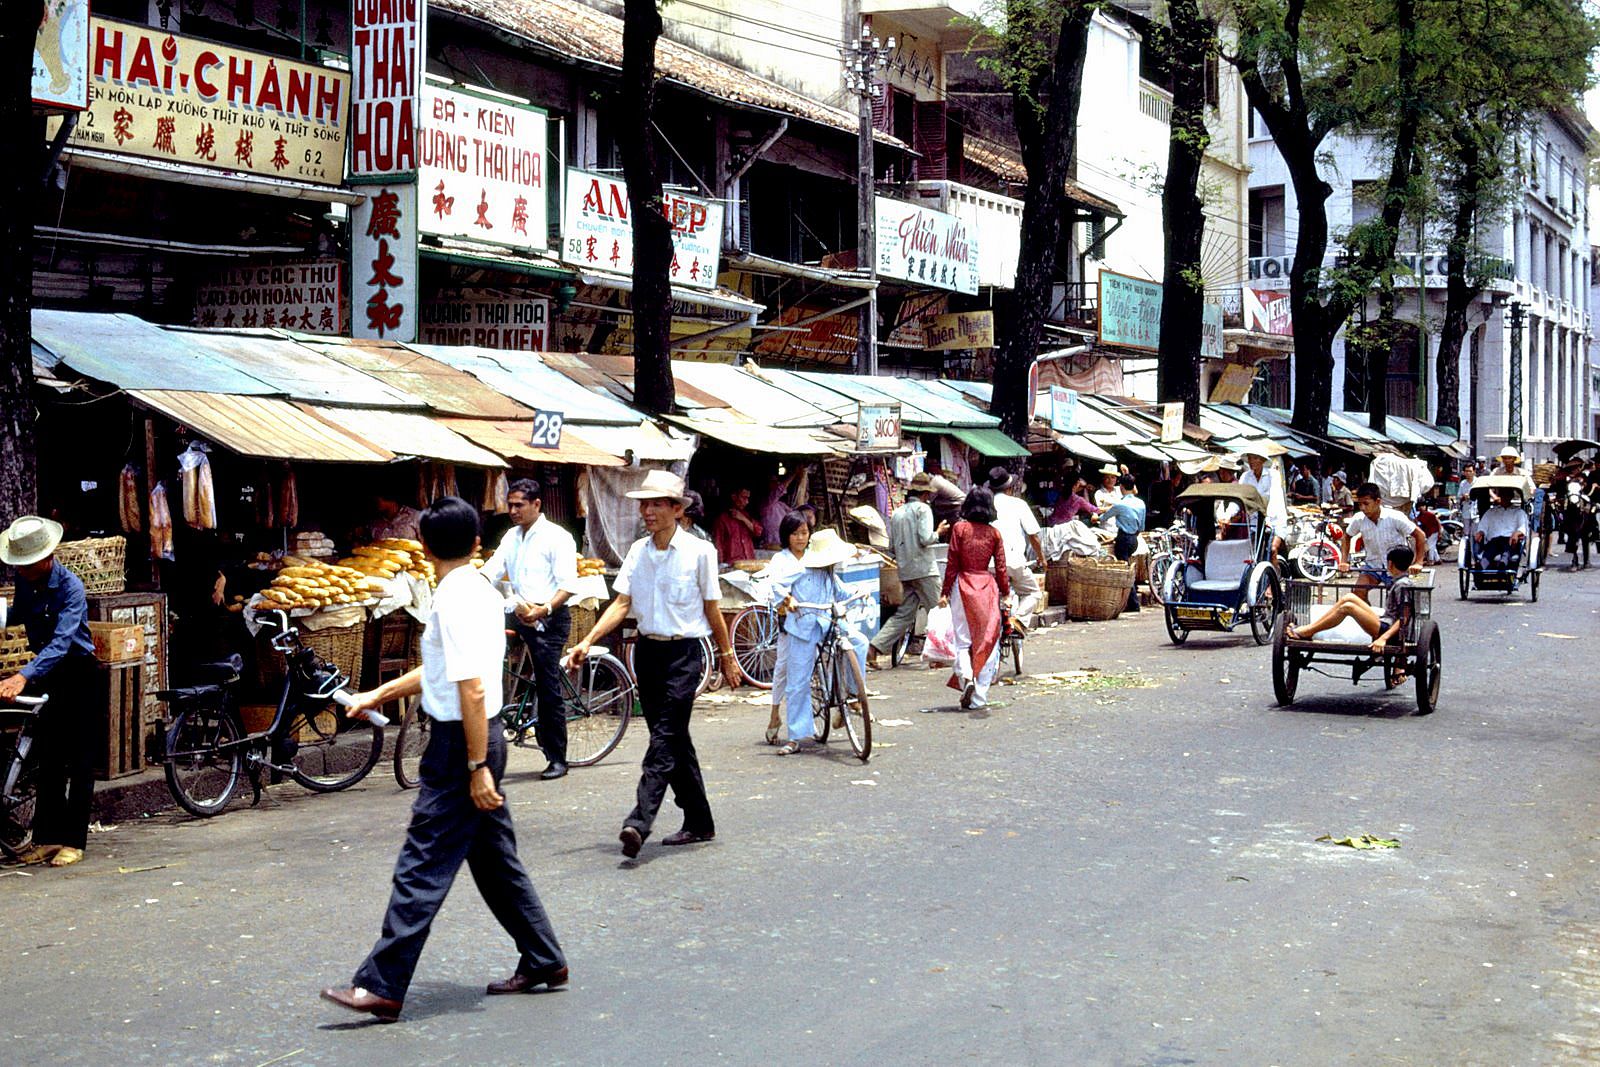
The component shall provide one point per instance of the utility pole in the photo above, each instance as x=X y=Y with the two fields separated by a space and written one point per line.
x=863 y=57
x=1514 y=399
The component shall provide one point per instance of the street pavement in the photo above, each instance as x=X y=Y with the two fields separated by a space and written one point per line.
x=1096 y=873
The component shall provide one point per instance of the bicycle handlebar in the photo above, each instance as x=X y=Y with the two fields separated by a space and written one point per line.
x=28 y=702
x=839 y=604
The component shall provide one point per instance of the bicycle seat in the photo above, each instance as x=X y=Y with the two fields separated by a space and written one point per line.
x=187 y=693
x=223 y=671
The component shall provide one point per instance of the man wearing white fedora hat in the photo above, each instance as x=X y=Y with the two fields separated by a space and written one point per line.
x=669 y=585
x=52 y=607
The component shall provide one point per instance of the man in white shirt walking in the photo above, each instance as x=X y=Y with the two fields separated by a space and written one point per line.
x=1019 y=528
x=536 y=563
x=668 y=584
x=459 y=814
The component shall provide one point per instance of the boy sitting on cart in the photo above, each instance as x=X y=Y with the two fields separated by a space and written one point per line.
x=1381 y=627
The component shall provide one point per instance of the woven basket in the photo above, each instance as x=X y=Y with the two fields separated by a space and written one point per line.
x=339 y=645
x=1544 y=474
x=583 y=620
x=1098 y=589
x=1057 y=580
x=14 y=651
x=97 y=561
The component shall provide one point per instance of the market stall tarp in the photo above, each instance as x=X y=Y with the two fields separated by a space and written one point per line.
x=987 y=442
x=408 y=434
x=296 y=371
x=524 y=377
x=643 y=442
x=753 y=437
x=128 y=352
x=262 y=427
x=1084 y=447
x=512 y=440
x=445 y=389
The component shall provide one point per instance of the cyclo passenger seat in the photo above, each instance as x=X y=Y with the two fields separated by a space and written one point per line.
x=214 y=678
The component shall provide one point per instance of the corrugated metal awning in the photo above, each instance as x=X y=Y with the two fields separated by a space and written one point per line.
x=297 y=371
x=750 y=394
x=406 y=433
x=262 y=427
x=752 y=437
x=641 y=442
x=510 y=439
x=445 y=389
x=524 y=377
x=1083 y=447
x=987 y=442
x=127 y=352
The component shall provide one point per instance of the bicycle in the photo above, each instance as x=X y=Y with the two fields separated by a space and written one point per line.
x=598 y=699
x=1170 y=547
x=838 y=688
x=19 y=774
x=710 y=676
x=207 y=750
x=1011 y=638
x=754 y=634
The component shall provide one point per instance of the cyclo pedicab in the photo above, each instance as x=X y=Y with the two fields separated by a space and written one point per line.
x=1475 y=571
x=1234 y=582
x=1413 y=652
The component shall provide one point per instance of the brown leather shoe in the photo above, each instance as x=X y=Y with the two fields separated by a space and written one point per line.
x=632 y=841
x=686 y=837
x=357 y=999
x=521 y=982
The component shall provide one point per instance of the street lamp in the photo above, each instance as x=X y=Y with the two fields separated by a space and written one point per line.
x=1519 y=315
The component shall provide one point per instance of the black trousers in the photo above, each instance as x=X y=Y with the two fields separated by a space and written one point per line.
x=544 y=649
x=447 y=829
x=1123 y=548
x=668 y=673
x=64 y=743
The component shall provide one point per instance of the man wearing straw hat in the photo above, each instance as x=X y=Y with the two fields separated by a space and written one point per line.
x=52 y=607
x=669 y=584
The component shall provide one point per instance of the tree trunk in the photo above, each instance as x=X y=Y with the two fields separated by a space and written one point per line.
x=1047 y=131
x=19 y=474
x=1459 y=290
x=653 y=388
x=1182 y=212
x=1380 y=344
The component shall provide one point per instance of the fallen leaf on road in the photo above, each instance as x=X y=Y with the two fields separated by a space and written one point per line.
x=16 y=874
x=863 y=781
x=97 y=827
x=280 y=1059
x=892 y=722
x=1561 y=637
x=1362 y=841
x=141 y=870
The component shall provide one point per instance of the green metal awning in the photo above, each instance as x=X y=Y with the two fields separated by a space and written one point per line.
x=991 y=443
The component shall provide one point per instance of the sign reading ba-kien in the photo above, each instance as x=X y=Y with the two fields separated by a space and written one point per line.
x=482 y=172
x=182 y=100
x=385 y=61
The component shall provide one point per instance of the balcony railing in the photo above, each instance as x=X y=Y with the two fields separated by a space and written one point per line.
x=1155 y=102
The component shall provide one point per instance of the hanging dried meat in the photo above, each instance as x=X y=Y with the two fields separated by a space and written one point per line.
x=128 y=499
x=495 y=493
x=288 y=499
x=160 y=524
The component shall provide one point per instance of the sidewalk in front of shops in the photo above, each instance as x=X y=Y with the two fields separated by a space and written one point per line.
x=145 y=792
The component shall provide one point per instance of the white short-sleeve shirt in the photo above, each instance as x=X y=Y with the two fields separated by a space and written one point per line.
x=464 y=637
x=669 y=587
x=1392 y=530
x=1502 y=522
x=535 y=562
x=1016 y=521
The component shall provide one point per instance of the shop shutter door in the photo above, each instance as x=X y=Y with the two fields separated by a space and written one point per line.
x=929 y=140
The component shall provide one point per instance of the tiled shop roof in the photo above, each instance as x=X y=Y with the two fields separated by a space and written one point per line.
x=581 y=33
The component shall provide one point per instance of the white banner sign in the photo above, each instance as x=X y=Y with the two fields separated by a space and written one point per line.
x=306 y=295
x=1063 y=409
x=383 y=263
x=521 y=324
x=1211 y=342
x=482 y=169
x=386 y=70
x=1172 y=422
x=597 y=234
x=878 y=426
x=918 y=244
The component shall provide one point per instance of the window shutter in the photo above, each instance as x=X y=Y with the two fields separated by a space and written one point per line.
x=880 y=107
x=930 y=140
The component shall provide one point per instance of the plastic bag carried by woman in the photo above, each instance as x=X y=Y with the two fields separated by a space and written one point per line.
x=939 y=641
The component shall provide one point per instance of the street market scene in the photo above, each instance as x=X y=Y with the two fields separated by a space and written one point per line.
x=830 y=530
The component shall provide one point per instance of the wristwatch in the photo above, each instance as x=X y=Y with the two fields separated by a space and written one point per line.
x=474 y=765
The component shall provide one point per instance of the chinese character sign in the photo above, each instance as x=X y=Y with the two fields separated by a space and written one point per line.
x=385 y=60
x=183 y=100
x=482 y=169
x=918 y=244
x=304 y=295
x=597 y=234
x=383 y=263
x=61 y=56
x=1130 y=311
x=487 y=320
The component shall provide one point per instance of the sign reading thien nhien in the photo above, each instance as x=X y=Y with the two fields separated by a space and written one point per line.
x=182 y=100
x=918 y=244
x=482 y=171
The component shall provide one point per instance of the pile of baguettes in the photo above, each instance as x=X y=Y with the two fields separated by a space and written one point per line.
x=389 y=557
x=310 y=584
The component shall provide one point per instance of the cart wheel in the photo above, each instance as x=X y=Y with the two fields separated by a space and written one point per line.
x=1533 y=587
x=1285 y=667
x=1464 y=571
x=1429 y=668
x=1175 y=628
x=1268 y=605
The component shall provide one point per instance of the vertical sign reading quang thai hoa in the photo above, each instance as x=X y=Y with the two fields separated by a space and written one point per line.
x=918 y=244
x=385 y=65
x=383 y=268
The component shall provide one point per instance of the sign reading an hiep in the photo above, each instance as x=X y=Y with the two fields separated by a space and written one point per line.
x=597 y=234
x=482 y=169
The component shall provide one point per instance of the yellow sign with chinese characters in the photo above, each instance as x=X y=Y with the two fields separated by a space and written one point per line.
x=182 y=100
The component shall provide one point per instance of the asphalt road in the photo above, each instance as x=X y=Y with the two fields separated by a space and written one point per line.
x=1091 y=875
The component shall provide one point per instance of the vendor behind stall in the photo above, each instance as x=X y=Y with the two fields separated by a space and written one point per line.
x=52 y=607
x=735 y=532
x=394 y=519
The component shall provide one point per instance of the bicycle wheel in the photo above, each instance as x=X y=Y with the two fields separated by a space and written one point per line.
x=1319 y=561
x=901 y=647
x=708 y=652
x=332 y=752
x=822 y=694
x=755 y=644
x=203 y=763
x=415 y=729
x=21 y=782
x=850 y=698
x=599 y=705
x=1160 y=563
